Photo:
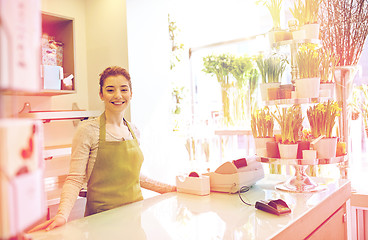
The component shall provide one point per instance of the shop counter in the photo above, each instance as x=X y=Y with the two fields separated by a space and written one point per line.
x=220 y=216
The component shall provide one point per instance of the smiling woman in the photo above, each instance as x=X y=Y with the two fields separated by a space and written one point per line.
x=106 y=156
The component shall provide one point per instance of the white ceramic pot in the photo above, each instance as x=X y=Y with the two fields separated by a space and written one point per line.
x=307 y=87
x=264 y=89
x=327 y=90
x=260 y=144
x=288 y=151
x=299 y=34
x=326 y=148
x=311 y=31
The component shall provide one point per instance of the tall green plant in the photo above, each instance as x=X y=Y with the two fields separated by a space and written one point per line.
x=271 y=68
x=221 y=66
x=290 y=121
x=241 y=71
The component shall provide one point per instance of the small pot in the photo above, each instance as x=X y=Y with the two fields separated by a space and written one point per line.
x=273 y=93
x=288 y=151
x=326 y=148
x=273 y=149
x=302 y=145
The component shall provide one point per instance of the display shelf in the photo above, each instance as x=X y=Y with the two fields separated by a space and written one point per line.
x=284 y=161
x=61 y=29
x=57 y=151
x=47 y=116
x=301 y=182
x=43 y=92
x=295 y=41
x=291 y=101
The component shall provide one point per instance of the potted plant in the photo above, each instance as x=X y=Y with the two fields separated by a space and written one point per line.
x=290 y=120
x=262 y=124
x=308 y=61
x=276 y=34
x=271 y=70
x=221 y=66
x=321 y=119
x=306 y=12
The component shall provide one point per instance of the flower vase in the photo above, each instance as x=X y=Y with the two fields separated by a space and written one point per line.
x=288 y=151
x=225 y=94
x=260 y=144
x=344 y=76
x=326 y=148
x=307 y=87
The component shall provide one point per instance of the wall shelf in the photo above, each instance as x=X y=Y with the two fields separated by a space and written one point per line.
x=47 y=116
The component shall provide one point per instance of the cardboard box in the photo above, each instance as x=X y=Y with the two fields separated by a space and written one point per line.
x=52 y=76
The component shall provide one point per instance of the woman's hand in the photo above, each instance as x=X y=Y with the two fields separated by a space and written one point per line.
x=54 y=222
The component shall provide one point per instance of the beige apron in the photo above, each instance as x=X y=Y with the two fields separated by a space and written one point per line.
x=114 y=180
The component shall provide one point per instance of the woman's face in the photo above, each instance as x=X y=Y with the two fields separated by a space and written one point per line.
x=116 y=93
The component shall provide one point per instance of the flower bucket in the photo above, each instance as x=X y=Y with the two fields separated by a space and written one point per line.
x=307 y=87
x=311 y=31
x=326 y=148
x=288 y=151
x=264 y=89
x=260 y=144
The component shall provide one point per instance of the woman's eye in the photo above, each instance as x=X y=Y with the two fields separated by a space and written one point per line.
x=109 y=90
x=124 y=90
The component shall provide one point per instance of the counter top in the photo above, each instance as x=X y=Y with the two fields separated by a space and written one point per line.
x=216 y=216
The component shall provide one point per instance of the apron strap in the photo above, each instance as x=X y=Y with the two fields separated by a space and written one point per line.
x=130 y=129
x=103 y=127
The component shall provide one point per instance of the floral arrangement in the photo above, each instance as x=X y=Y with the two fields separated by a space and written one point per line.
x=262 y=123
x=221 y=66
x=322 y=117
x=308 y=61
x=271 y=68
x=290 y=120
